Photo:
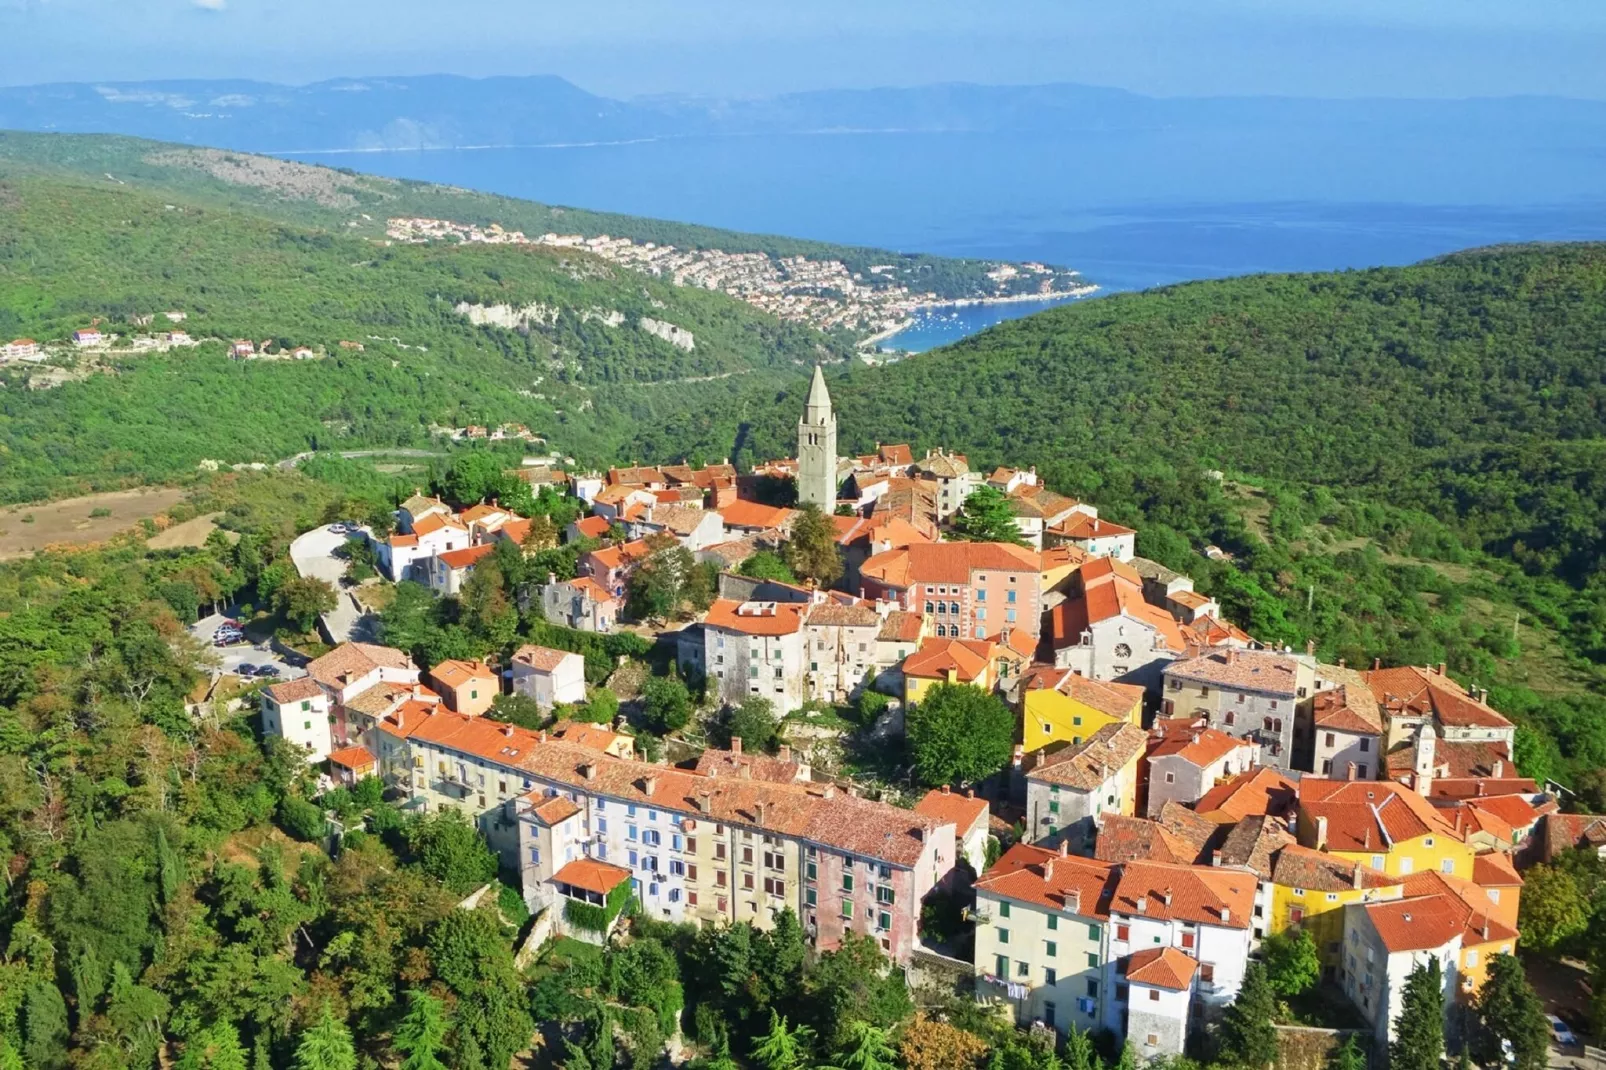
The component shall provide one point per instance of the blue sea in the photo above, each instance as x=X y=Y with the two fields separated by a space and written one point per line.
x=1130 y=210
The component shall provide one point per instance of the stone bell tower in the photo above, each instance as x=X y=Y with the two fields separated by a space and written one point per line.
x=816 y=448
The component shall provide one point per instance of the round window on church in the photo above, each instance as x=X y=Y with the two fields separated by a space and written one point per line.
x=1122 y=650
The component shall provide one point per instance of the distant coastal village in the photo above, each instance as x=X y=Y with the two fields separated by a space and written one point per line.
x=824 y=294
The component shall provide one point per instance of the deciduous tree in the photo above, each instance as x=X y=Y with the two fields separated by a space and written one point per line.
x=986 y=516
x=811 y=551
x=958 y=732
x=1292 y=961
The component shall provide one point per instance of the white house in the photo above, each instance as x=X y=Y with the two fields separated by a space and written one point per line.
x=752 y=648
x=1098 y=537
x=1187 y=758
x=428 y=536
x=548 y=676
x=1105 y=630
x=20 y=349
x=299 y=712
x=445 y=572
x=89 y=336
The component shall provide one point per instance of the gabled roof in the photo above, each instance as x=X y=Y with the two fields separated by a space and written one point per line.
x=542 y=658
x=436 y=522
x=963 y=809
x=968 y=659
x=1192 y=741
x=593 y=736
x=301 y=689
x=1099 y=757
x=591 y=875
x=355 y=659
x=844 y=615
x=1424 y=923
x=1302 y=867
x=1108 y=589
x=1254 y=844
x=353 y=758
x=1369 y=815
x=946 y=562
x=1418 y=691
x=1046 y=878
x=746 y=514
x=1160 y=967
x=1259 y=791
x=556 y=810
x=1203 y=894
x=592 y=527
x=1565 y=831
x=1081 y=526
x=1107 y=697
x=1493 y=869
x=901 y=627
x=1347 y=709
x=455 y=674
x=467 y=557
x=1180 y=836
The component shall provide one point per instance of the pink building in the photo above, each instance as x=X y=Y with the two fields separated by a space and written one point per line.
x=970 y=590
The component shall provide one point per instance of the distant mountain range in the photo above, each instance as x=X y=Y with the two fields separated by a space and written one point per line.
x=447 y=111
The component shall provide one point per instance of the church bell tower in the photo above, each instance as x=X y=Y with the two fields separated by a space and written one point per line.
x=816 y=448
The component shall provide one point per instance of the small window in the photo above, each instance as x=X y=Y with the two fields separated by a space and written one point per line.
x=1154 y=997
x=1003 y=936
x=1051 y=949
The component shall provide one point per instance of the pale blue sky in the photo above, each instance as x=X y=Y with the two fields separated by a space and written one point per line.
x=756 y=47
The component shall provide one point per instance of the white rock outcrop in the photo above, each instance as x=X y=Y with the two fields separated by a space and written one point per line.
x=675 y=336
x=532 y=315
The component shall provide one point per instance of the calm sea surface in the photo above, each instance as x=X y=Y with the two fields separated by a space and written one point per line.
x=1130 y=211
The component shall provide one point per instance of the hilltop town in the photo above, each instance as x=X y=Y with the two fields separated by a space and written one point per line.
x=823 y=294
x=1097 y=799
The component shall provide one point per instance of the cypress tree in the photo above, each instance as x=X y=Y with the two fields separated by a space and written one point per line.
x=1248 y=1035
x=1419 y=1030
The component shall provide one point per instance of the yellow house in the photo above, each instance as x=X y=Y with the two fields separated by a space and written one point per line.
x=1310 y=889
x=1058 y=706
x=1384 y=825
x=948 y=661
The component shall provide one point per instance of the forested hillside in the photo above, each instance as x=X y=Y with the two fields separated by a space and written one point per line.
x=1414 y=456
x=70 y=253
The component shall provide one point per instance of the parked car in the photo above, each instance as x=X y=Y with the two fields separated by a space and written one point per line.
x=246 y=669
x=1559 y=1030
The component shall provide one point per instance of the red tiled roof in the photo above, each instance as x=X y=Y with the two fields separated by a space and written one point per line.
x=1195 y=744
x=1058 y=881
x=300 y=689
x=1303 y=867
x=1258 y=791
x=1424 y=691
x=1347 y=709
x=1202 y=894
x=455 y=674
x=541 y=658
x=467 y=556
x=353 y=758
x=756 y=618
x=965 y=811
x=1492 y=869
x=435 y=522
x=1137 y=839
x=748 y=514
x=968 y=659
x=1088 y=765
x=1160 y=967
x=947 y=562
x=591 y=875
x=592 y=527
x=581 y=734
x=1248 y=670
x=1365 y=815
x=901 y=627
x=356 y=659
x=1082 y=526
x=1419 y=924
x=556 y=809
x=1108 y=697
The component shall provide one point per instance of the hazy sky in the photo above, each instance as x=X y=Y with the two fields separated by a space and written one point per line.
x=753 y=47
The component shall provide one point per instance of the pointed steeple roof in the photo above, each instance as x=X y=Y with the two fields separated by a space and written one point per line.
x=819 y=396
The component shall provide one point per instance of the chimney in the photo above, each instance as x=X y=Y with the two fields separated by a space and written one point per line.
x=828 y=792
x=1310 y=647
x=543 y=735
x=945 y=789
x=705 y=801
x=758 y=811
x=1355 y=876
x=1441 y=668
x=507 y=730
x=589 y=770
x=1498 y=770
x=785 y=753
x=1481 y=784
x=1377 y=663
x=1143 y=904
x=1341 y=663
x=1349 y=771
x=1232 y=656
x=1165 y=897
x=1226 y=915
x=1019 y=756
x=1065 y=848
x=649 y=784
x=1073 y=901
x=1321 y=833
x=736 y=744
x=970 y=793
x=744 y=771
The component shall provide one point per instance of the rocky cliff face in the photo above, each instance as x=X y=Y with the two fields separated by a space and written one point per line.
x=675 y=336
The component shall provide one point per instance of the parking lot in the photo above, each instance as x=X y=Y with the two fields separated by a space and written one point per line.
x=235 y=656
x=315 y=554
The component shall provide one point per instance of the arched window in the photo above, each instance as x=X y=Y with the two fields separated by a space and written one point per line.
x=953 y=607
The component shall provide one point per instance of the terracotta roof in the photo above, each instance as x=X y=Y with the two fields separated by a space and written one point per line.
x=1108 y=697
x=455 y=674
x=542 y=658
x=637 y=476
x=1493 y=869
x=1086 y=766
x=1160 y=967
x=1208 y=631
x=436 y=522
x=756 y=618
x=555 y=810
x=591 y=875
x=592 y=736
x=356 y=659
x=901 y=627
x=1514 y=810
x=944 y=465
x=1262 y=790
x=965 y=811
x=1422 y=923
x=1063 y=556
x=485 y=511
x=422 y=503
x=397 y=541
x=613 y=558
x=1302 y=867
x=1427 y=692
x=1247 y=670
x=1110 y=588
x=593 y=590
x=1565 y=831
x=1135 y=839
x=714 y=762
x=353 y=758
x=947 y=562
x=467 y=556
x=968 y=659
x=515 y=531
x=1192 y=741
x=300 y=689
x=747 y=514
x=1459 y=759
x=1368 y=815
x=1082 y=526
x=680 y=519
x=1046 y=878
x=592 y=527
x=1035 y=500
x=1202 y=894
x=1348 y=709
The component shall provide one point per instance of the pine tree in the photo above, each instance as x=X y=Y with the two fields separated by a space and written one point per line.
x=421 y=1036
x=44 y=1019
x=1346 y=1056
x=326 y=1046
x=217 y=1047
x=1510 y=1009
x=867 y=1049
x=1419 y=1030
x=9 y=1059
x=782 y=1048
x=1247 y=1034
x=1079 y=1052
x=987 y=517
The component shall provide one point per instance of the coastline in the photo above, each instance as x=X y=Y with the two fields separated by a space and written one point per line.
x=871 y=341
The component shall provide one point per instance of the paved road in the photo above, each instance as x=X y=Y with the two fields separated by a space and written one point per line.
x=232 y=657
x=314 y=555
x=291 y=462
